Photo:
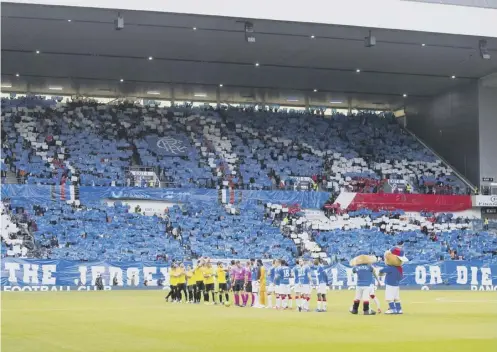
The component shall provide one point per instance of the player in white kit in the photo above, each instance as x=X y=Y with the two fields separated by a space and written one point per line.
x=322 y=285
x=296 y=285
x=304 y=275
x=271 y=289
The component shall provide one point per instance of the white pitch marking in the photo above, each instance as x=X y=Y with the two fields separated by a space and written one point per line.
x=444 y=300
x=100 y=309
x=79 y=309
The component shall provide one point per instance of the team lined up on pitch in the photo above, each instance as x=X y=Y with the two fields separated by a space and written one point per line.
x=250 y=280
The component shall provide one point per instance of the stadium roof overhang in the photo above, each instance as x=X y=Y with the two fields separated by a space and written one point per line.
x=86 y=55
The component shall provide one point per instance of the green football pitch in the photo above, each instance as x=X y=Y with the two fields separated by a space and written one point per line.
x=143 y=321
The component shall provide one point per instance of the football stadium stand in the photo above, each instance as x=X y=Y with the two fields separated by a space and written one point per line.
x=49 y=144
x=95 y=145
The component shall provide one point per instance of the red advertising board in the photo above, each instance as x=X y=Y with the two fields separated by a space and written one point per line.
x=411 y=202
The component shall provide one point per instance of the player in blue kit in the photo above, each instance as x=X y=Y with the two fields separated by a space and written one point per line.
x=256 y=276
x=322 y=285
x=283 y=288
x=271 y=285
x=304 y=275
x=296 y=286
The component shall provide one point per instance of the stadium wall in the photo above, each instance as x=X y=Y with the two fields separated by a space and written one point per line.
x=33 y=193
x=487 y=101
x=65 y=275
x=157 y=199
x=448 y=123
x=148 y=207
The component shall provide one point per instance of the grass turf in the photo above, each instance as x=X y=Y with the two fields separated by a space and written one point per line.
x=141 y=321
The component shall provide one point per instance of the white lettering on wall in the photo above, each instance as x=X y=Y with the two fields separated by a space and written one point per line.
x=82 y=275
x=30 y=273
x=114 y=271
x=474 y=275
x=12 y=268
x=148 y=272
x=486 y=276
x=48 y=270
x=420 y=275
x=462 y=275
x=351 y=278
x=95 y=271
x=133 y=276
x=334 y=278
x=165 y=273
x=435 y=275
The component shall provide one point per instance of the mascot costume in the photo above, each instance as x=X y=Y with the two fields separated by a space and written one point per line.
x=394 y=259
x=362 y=265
